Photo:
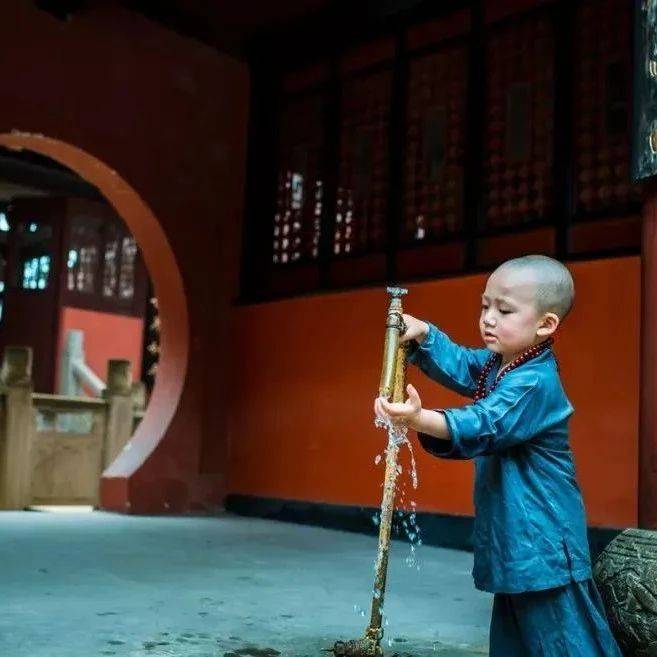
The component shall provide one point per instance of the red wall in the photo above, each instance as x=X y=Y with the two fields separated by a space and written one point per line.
x=306 y=371
x=169 y=115
x=105 y=336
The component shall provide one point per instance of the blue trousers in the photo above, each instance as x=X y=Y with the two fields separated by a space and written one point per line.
x=568 y=621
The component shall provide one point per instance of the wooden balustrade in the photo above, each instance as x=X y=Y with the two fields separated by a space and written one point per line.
x=53 y=448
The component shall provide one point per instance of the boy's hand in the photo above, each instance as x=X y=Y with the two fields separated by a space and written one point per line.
x=400 y=413
x=416 y=329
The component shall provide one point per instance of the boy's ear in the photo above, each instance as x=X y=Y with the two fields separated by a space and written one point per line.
x=548 y=325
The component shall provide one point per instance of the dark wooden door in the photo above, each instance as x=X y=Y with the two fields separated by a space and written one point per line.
x=30 y=313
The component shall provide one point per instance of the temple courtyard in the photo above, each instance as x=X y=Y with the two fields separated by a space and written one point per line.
x=90 y=584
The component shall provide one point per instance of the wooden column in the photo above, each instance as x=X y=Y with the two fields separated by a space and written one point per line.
x=648 y=377
x=16 y=427
x=120 y=410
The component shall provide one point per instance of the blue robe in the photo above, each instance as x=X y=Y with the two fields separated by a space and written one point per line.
x=567 y=621
x=530 y=526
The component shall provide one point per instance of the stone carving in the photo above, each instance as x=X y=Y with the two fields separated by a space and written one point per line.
x=626 y=574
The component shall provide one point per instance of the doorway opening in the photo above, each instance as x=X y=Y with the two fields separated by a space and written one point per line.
x=76 y=243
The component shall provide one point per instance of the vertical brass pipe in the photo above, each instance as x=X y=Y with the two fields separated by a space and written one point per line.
x=392 y=387
x=394 y=328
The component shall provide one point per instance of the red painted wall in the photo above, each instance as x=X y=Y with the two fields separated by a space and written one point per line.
x=169 y=115
x=105 y=336
x=305 y=373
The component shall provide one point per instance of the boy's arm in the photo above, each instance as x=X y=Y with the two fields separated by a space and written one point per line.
x=515 y=412
x=433 y=433
x=448 y=363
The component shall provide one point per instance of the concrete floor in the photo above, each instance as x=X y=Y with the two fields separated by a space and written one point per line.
x=81 y=585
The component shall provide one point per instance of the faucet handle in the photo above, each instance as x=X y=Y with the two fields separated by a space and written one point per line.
x=396 y=292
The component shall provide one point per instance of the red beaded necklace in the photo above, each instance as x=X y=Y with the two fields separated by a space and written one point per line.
x=532 y=352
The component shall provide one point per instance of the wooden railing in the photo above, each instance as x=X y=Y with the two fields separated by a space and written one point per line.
x=53 y=448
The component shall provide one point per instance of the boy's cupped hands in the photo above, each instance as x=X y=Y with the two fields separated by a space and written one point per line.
x=405 y=413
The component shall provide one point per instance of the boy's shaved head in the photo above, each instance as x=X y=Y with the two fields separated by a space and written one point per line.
x=555 y=290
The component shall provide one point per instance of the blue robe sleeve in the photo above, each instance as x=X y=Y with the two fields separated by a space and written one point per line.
x=513 y=413
x=448 y=363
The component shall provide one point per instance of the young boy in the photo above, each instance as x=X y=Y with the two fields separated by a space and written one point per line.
x=530 y=544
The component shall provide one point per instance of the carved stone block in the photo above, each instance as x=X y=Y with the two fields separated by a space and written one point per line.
x=626 y=574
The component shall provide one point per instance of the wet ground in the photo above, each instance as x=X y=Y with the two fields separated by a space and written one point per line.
x=82 y=585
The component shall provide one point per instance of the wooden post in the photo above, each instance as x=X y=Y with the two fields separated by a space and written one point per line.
x=139 y=395
x=120 y=409
x=17 y=428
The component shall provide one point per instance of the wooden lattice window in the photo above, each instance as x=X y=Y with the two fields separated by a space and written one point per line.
x=602 y=74
x=110 y=266
x=435 y=132
x=518 y=184
x=36 y=271
x=104 y=270
x=127 y=270
x=361 y=203
x=297 y=222
x=34 y=255
x=83 y=254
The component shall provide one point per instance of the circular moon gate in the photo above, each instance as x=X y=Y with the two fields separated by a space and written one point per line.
x=167 y=282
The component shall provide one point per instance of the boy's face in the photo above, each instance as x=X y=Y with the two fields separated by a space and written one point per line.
x=510 y=321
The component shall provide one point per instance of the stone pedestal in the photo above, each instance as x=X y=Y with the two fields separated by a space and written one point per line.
x=626 y=574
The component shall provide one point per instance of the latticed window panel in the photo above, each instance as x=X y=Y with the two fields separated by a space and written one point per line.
x=110 y=267
x=36 y=272
x=127 y=269
x=83 y=253
x=86 y=274
x=435 y=134
x=602 y=74
x=518 y=184
x=361 y=203
x=297 y=222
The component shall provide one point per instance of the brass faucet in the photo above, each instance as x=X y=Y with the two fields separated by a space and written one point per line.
x=392 y=387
